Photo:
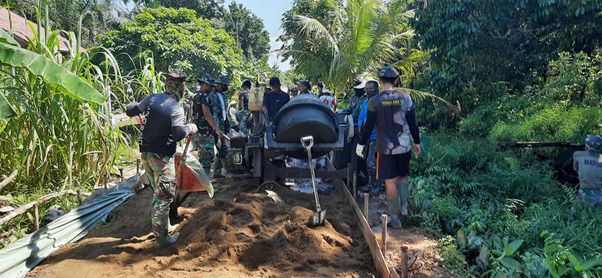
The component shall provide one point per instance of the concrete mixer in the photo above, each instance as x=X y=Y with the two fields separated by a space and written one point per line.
x=262 y=153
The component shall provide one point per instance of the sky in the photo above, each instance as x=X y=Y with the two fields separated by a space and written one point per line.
x=271 y=12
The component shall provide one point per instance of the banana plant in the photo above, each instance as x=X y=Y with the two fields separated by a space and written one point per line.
x=50 y=71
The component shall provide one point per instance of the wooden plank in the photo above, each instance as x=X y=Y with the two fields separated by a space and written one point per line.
x=377 y=255
x=538 y=144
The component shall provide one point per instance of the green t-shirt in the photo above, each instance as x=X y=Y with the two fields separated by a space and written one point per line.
x=589 y=167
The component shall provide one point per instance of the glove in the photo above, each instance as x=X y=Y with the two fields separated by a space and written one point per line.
x=359 y=150
x=193 y=128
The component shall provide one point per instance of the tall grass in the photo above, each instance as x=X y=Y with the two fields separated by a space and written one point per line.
x=62 y=136
x=58 y=141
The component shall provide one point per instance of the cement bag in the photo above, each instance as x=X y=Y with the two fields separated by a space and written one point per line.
x=193 y=177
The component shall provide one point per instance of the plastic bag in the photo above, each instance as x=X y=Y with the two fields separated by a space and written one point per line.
x=194 y=178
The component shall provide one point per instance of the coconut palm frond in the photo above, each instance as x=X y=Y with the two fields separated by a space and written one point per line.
x=310 y=26
x=421 y=95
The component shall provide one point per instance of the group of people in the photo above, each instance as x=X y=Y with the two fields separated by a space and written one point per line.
x=384 y=117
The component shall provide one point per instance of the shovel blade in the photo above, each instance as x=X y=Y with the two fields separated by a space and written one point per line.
x=318 y=219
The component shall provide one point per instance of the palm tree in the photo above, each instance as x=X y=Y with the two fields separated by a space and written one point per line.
x=364 y=35
x=359 y=38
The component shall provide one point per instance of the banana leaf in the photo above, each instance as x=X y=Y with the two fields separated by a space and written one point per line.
x=53 y=73
x=5 y=37
x=6 y=110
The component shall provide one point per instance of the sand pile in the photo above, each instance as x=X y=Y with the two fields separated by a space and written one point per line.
x=240 y=233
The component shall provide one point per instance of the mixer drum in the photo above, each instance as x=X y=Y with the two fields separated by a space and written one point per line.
x=305 y=115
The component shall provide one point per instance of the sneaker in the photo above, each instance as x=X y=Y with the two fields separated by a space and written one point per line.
x=161 y=242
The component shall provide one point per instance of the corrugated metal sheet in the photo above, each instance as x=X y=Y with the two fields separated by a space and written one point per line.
x=21 y=256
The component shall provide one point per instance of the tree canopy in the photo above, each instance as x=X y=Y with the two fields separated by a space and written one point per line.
x=248 y=30
x=475 y=43
x=177 y=38
x=335 y=41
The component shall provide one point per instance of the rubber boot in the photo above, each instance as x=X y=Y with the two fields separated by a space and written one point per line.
x=393 y=213
x=172 y=228
x=226 y=167
x=163 y=241
x=403 y=189
x=216 y=167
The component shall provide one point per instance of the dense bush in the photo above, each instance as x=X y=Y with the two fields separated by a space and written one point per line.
x=555 y=123
x=177 y=38
x=507 y=214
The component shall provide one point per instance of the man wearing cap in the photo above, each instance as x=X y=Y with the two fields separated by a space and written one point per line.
x=355 y=107
x=374 y=185
x=588 y=164
x=327 y=98
x=359 y=96
x=392 y=112
x=204 y=141
x=244 y=116
x=275 y=99
x=218 y=103
x=304 y=86
x=164 y=126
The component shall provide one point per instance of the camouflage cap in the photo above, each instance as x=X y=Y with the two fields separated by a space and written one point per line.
x=388 y=72
x=206 y=78
x=176 y=74
x=357 y=82
x=224 y=80
x=594 y=143
x=360 y=85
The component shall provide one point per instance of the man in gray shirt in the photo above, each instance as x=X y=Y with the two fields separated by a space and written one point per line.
x=588 y=164
x=163 y=128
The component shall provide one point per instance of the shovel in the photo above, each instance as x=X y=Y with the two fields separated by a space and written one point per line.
x=318 y=218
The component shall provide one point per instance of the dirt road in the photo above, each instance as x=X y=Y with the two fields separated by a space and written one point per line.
x=239 y=233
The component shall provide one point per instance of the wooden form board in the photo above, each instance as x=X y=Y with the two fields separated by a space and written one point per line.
x=379 y=259
x=538 y=144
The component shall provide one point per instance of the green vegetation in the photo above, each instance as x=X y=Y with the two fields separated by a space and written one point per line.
x=176 y=38
x=375 y=33
x=528 y=70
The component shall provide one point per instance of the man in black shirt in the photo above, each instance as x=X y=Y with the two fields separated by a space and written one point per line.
x=275 y=99
x=163 y=128
x=392 y=112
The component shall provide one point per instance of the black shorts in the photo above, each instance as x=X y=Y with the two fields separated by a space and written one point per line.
x=392 y=166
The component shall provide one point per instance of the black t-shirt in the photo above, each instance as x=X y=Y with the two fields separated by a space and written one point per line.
x=392 y=112
x=163 y=116
x=274 y=101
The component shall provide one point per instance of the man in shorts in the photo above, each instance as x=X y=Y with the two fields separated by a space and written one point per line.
x=392 y=112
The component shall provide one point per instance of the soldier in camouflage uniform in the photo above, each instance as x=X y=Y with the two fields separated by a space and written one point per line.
x=204 y=141
x=245 y=118
x=158 y=145
x=219 y=110
x=355 y=108
x=355 y=104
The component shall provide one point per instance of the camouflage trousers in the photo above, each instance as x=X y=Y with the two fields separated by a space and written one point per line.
x=371 y=165
x=161 y=173
x=205 y=145
x=221 y=157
